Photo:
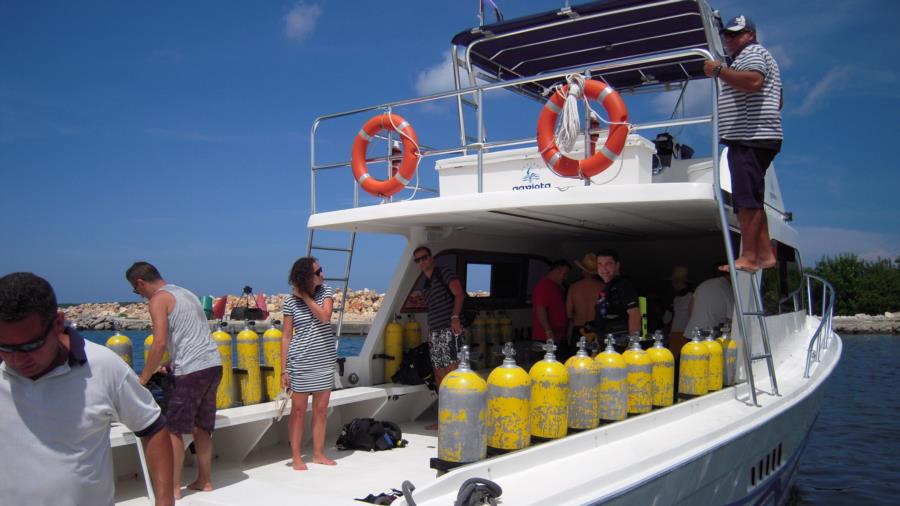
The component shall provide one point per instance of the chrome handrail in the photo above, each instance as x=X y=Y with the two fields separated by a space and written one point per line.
x=825 y=324
x=478 y=91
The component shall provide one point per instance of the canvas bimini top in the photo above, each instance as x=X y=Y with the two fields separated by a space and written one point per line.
x=593 y=33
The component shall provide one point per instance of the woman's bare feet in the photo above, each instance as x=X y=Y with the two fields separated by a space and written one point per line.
x=299 y=465
x=201 y=486
x=325 y=461
x=177 y=493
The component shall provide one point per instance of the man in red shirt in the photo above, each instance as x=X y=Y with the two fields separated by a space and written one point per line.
x=548 y=306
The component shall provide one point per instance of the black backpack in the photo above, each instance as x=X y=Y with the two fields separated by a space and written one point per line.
x=371 y=435
x=416 y=367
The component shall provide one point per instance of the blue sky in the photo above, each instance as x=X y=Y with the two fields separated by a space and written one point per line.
x=179 y=132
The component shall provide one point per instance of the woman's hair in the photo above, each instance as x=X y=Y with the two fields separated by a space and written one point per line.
x=303 y=276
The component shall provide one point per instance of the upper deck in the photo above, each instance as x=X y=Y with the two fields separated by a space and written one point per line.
x=468 y=178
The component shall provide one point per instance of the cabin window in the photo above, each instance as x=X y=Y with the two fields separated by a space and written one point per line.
x=478 y=280
x=782 y=285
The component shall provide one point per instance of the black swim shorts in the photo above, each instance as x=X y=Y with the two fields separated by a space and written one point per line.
x=748 y=162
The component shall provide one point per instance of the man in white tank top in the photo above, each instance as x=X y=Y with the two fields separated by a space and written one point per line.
x=180 y=326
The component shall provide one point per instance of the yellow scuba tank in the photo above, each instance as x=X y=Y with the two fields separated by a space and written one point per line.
x=492 y=338
x=412 y=333
x=272 y=354
x=121 y=345
x=729 y=349
x=225 y=392
x=716 y=363
x=663 y=372
x=479 y=334
x=393 y=348
x=506 y=327
x=693 y=375
x=584 y=381
x=508 y=404
x=613 y=390
x=640 y=377
x=248 y=361
x=549 y=396
x=148 y=343
x=461 y=414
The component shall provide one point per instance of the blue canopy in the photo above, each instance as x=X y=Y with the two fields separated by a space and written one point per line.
x=595 y=33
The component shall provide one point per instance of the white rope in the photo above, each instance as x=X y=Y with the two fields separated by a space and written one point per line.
x=569 y=121
x=418 y=154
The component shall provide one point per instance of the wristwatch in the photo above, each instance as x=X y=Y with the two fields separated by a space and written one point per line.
x=717 y=70
x=454 y=317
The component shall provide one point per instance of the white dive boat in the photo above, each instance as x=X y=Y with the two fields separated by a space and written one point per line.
x=495 y=208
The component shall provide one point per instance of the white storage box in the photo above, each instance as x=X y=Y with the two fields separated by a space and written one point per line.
x=524 y=169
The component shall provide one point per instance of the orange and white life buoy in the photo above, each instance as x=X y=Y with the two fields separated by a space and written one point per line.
x=606 y=154
x=401 y=177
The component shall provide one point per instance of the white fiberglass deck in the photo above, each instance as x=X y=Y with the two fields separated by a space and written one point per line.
x=710 y=441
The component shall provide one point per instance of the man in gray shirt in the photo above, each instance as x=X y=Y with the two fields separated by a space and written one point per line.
x=180 y=326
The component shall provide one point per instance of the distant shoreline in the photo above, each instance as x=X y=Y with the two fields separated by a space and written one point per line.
x=362 y=308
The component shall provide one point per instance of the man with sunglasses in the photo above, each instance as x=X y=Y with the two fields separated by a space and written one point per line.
x=444 y=297
x=180 y=326
x=58 y=396
x=750 y=101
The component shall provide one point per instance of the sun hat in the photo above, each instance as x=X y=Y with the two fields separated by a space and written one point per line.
x=588 y=263
x=739 y=24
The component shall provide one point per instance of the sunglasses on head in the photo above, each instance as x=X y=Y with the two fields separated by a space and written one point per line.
x=421 y=259
x=29 y=346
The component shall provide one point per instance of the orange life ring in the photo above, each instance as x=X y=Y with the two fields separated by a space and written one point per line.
x=400 y=178
x=605 y=155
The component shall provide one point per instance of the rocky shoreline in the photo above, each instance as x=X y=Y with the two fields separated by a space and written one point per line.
x=887 y=323
x=361 y=308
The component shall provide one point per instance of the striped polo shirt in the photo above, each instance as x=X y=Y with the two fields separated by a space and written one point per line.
x=747 y=116
x=439 y=299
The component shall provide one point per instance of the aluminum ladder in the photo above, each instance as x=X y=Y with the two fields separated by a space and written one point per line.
x=745 y=317
x=311 y=246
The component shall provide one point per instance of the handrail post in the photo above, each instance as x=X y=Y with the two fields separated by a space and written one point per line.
x=479 y=97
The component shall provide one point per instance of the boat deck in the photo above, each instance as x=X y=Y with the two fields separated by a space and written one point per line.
x=713 y=439
x=266 y=476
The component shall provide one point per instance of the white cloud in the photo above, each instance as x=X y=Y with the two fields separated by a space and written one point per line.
x=835 y=80
x=817 y=242
x=781 y=56
x=301 y=21
x=437 y=78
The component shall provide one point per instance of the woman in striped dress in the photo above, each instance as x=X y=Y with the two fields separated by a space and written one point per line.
x=308 y=351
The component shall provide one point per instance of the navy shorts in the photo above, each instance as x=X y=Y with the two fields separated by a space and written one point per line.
x=748 y=165
x=192 y=401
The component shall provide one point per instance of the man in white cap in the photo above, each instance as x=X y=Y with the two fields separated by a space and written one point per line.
x=750 y=101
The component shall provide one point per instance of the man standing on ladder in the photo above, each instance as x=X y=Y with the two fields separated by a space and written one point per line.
x=750 y=101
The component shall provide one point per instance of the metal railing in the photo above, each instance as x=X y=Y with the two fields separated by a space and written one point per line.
x=823 y=332
x=481 y=143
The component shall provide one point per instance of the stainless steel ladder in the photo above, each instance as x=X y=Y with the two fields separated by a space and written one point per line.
x=311 y=246
x=755 y=311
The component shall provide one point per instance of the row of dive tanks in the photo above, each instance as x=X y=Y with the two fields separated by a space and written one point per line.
x=486 y=333
x=250 y=371
x=514 y=408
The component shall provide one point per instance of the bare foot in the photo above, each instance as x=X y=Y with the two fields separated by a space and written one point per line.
x=433 y=426
x=768 y=263
x=177 y=493
x=325 y=461
x=202 y=487
x=299 y=465
x=742 y=264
